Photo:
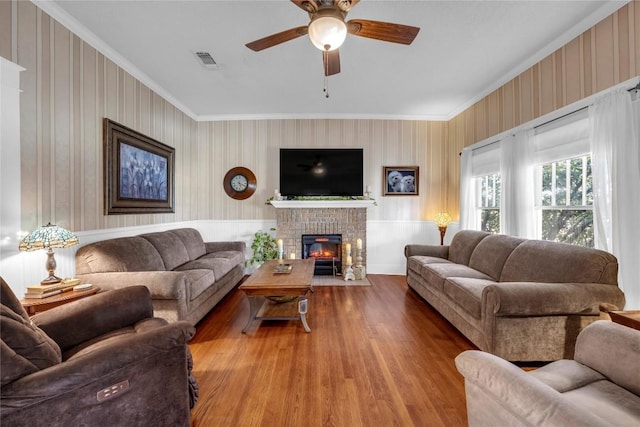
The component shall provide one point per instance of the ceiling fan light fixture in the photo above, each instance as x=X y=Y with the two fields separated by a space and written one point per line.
x=327 y=32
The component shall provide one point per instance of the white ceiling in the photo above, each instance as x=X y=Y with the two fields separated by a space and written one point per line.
x=464 y=50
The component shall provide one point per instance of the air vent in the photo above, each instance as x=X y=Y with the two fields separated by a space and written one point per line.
x=205 y=59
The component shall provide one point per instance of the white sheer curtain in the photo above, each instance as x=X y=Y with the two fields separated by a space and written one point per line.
x=467 y=191
x=614 y=126
x=517 y=202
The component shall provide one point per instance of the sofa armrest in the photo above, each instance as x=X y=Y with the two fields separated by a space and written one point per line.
x=139 y=350
x=543 y=299
x=82 y=320
x=602 y=342
x=489 y=378
x=427 y=250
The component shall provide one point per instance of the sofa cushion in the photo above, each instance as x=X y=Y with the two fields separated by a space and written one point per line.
x=417 y=262
x=538 y=261
x=234 y=257
x=170 y=247
x=463 y=244
x=192 y=240
x=467 y=293
x=198 y=281
x=605 y=399
x=121 y=254
x=435 y=274
x=565 y=375
x=25 y=347
x=491 y=253
x=219 y=266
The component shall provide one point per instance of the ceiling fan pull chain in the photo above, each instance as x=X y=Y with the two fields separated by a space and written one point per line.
x=325 y=89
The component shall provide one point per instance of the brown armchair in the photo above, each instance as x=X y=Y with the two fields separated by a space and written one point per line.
x=103 y=360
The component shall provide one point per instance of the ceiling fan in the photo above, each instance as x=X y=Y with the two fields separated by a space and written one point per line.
x=328 y=29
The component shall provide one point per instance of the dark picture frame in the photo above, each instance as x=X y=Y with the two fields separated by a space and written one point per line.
x=138 y=172
x=400 y=180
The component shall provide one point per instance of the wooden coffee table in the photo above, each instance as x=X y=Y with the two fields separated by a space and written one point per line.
x=264 y=283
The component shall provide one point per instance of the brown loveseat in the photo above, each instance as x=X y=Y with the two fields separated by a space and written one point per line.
x=187 y=277
x=100 y=361
x=523 y=300
x=600 y=387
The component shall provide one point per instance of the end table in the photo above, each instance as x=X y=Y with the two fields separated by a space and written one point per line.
x=38 y=305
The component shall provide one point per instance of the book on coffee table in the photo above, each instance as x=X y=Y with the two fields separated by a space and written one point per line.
x=282 y=268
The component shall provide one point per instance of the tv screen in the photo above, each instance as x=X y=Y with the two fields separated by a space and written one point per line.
x=321 y=172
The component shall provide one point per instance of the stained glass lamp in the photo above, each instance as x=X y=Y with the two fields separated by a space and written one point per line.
x=47 y=237
x=442 y=221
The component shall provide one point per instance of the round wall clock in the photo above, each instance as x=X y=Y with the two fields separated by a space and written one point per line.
x=239 y=183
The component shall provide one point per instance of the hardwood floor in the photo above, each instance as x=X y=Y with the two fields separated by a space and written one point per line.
x=376 y=356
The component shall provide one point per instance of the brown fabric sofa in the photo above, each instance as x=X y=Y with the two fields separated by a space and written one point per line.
x=187 y=277
x=99 y=361
x=600 y=387
x=523 y=300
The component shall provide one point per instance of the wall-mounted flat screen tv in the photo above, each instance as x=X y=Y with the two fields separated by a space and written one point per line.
x=321 y=172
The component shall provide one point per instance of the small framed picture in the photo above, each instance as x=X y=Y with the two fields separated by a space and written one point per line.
x=400 y=180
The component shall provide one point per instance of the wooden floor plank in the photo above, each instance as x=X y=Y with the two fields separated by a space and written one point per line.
x=377 y=355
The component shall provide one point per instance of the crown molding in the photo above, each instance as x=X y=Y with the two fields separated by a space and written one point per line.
x=72 y=24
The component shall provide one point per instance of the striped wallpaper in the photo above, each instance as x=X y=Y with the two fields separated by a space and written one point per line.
x=68 y=87
x=601 y=57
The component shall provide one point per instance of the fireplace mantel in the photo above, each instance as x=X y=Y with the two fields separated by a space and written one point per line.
x=313 y=204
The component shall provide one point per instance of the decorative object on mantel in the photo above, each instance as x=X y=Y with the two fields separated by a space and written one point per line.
x=359 y=270
x=47 y=237
x=442 y=220
x=138 y=172
x=400 y=180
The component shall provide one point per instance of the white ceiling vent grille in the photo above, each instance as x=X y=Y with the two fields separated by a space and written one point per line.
x=205 y=59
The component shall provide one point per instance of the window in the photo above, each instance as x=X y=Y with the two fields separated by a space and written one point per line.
x=488 y=196
x=566 y=200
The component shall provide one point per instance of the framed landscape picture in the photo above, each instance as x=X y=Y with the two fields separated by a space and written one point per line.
x=138 y=172
x=400 y=180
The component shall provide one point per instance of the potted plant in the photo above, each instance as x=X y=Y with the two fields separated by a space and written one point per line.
x=264 y=247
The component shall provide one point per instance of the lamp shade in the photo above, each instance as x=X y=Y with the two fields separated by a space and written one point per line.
x=48 y=236
x=327 y=32
x=442 y=219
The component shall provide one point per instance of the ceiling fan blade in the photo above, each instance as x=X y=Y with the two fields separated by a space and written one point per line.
x=310 y=6
x=331 y=62
x=385 y=31
x=275 y=39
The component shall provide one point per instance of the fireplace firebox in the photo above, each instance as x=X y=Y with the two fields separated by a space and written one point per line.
x=327 y=251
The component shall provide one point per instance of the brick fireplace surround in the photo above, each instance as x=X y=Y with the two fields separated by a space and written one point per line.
x=351 y=223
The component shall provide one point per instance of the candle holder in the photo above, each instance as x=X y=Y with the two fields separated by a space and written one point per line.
x=359 y=271
x=348 y=273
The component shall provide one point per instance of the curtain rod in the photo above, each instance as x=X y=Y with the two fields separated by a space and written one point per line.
x=561 y=117
x=636 y=87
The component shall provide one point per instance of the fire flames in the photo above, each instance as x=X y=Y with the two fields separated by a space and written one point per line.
x=322 y=253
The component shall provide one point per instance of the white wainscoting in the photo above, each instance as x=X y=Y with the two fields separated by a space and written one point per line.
x=387 y=239
x=385 y=243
